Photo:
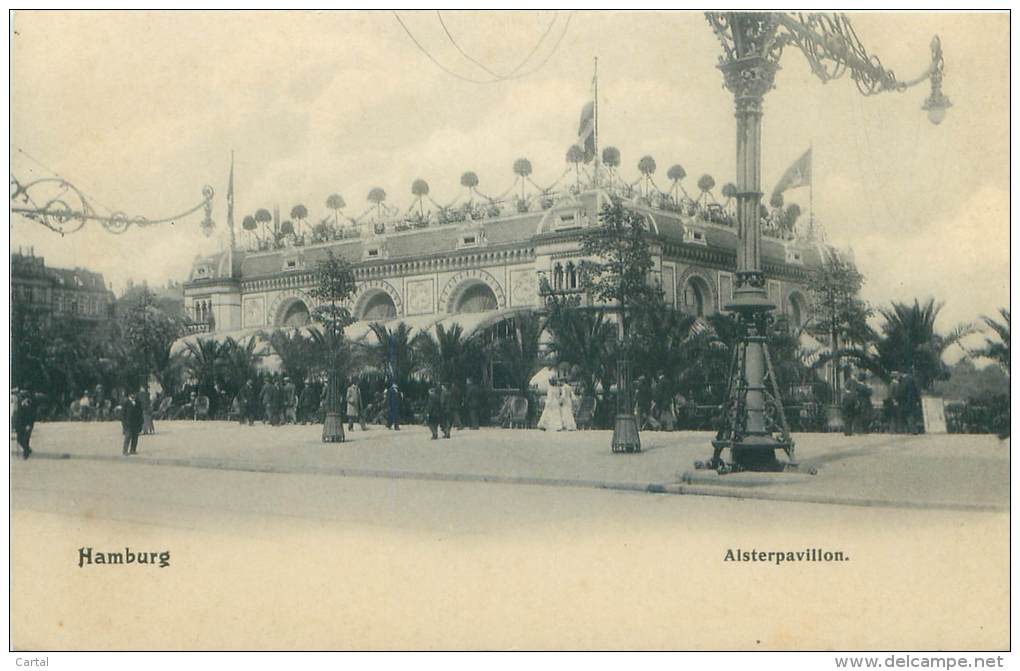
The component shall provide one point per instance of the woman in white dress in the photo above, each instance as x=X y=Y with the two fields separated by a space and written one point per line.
x=567 y=408
x=550 y=419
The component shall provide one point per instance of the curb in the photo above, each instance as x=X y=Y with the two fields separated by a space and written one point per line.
x=722 y=491
x=791 y=497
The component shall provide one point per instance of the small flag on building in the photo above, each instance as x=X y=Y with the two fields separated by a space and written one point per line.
x=798 y=174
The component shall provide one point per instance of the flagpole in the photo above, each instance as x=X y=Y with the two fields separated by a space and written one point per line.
x=811 y=192
x=230 y=216
x=596 y=115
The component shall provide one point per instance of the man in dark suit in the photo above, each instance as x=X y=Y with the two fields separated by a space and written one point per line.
x=268 y=398
x=434 y=410
x=447 y=409
x=393 y=403
x=473 y=401
x=24 y=421
x=131 y=421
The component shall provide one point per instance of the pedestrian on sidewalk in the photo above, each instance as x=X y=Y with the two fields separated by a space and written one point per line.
x=145 y=401
x=268 y=401
x=290 y=401
x=244 y=397
x=456 y=403
x=446 y=409
x=393 y=405
x=434 y=410
x=308 y=402
x=355 y=408
x=131 y=423
x=24 y=422
x=473 y=401
x=277 y=403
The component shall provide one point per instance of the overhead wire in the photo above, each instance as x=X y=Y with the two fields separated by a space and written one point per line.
x=509 y=75
x=495 y=79
x=59 y=176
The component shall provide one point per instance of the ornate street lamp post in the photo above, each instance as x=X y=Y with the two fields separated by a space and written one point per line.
x=754 y=425
x=63 y=208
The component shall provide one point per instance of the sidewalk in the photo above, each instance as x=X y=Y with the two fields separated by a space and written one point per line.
x=960 y=472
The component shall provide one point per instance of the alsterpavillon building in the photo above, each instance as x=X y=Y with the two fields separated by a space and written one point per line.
x=482 y=261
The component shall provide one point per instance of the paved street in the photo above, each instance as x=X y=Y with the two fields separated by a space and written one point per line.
x=300 y=560
x=947 y=471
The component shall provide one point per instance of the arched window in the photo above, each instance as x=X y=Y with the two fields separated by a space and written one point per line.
x=571 y=275
x=477 y=298
x=558 y=277
x=696 y=297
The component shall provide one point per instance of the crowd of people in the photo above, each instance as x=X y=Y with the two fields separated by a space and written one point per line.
x=275 y=400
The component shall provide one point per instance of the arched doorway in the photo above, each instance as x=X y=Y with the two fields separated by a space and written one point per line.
x=697 y=297
x=478 y=297
x=378 y=307
x=296 y=314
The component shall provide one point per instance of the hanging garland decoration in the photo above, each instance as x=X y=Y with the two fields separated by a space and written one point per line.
x=63 y=208
x=544 y=190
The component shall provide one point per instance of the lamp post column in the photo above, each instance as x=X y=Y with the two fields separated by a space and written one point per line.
x=750 y=421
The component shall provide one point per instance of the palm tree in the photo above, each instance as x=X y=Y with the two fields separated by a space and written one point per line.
x=519 y=353
x=204 y=360
x=998 y=350
x=299 y=213
x=295 y=351
x=320 y=347
x=392 y=352
x=908 y=343
x=446 y=356
x=586 y=342
x=336 y=203
x=239 y=363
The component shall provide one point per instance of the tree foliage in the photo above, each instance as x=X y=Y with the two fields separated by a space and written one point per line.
x=520 y=352
x=334 y=286
x=997 y=348
x=620 y=262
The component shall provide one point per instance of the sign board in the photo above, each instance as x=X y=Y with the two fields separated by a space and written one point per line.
x=933 y=408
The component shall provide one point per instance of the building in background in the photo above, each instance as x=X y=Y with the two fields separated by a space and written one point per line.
x=74 y=294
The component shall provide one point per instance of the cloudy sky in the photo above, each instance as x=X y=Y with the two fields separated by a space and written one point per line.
x=142 y=109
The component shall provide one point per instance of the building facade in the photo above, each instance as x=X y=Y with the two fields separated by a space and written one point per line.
x=58 y=293
x=489 y=257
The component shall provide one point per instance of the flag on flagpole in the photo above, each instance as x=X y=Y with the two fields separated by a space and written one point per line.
x=230 y=201
x=586 y=132
x=587 y=129
x=798 y=174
